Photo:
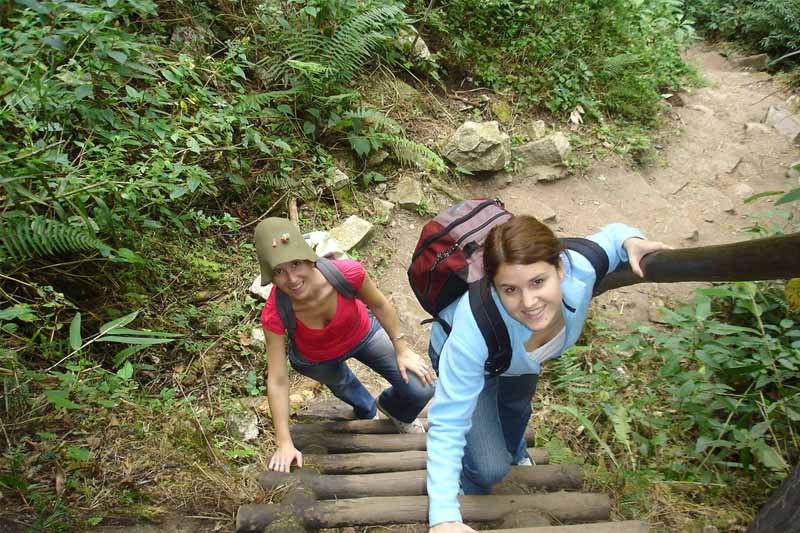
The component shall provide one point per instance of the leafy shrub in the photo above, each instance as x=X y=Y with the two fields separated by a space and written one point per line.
x=714 y=397
x=613 y=57
x=107 y=129
x=771 y=26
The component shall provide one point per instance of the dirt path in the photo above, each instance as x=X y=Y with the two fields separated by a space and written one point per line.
x=692 y=195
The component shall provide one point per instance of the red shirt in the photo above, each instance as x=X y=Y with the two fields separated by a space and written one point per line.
x=349 y=325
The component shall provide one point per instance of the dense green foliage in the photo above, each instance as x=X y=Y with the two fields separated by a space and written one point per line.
x=771 y=26
x=612 y=57
x=712 y=399
x=114 y=122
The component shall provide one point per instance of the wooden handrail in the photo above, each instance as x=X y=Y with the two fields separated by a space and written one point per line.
x=758 y=259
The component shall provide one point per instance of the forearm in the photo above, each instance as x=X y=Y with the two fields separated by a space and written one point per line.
x=278 y=395
x=387 y=316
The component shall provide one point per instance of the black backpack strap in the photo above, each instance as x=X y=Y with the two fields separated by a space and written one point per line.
x=334 y=277
x=492 y=327
x=591 y=251
x=285 y=312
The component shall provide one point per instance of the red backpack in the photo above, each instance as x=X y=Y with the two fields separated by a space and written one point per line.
x=448 y=261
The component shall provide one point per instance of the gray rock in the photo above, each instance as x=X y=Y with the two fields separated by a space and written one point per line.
x=383 y=209
x=546 y=174
x=325 y=245
x=408 y=194
x=793 y=103
x=377 y=158
x=257 y=339
x=784 y=122
x=756 y=128
x=676 y=100
x=416 y=44
x=533 y=131
x=339 y=179
x=257 y=290
x=259 y=403
x=501 y=111
x=756 y=62
x=692 y=235
x=793 y=172
x=354 y=232
x=479 y=147
x=743 y=190
x=552 y=150
x=243 y=425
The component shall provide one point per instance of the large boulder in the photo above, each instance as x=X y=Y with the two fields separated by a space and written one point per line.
x=784 y=122
x=479 y=147
x=756 y=62
x=352 y=233
x=552 y=150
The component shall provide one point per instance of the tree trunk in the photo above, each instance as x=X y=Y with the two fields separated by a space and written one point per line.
x=782 y=510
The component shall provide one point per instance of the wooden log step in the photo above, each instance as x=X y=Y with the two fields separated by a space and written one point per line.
x=562 y=506
x=381 y=426
x=374 y=463
x=413 y=483
x=628 y=526
x=332 y=409
x=354 y=442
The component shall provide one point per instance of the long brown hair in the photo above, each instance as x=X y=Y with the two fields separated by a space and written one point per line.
x=523 y=240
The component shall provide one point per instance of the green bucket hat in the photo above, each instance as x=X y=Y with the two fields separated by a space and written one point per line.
x=279 y=241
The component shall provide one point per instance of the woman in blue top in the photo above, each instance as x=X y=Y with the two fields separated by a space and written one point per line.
x=543 y=293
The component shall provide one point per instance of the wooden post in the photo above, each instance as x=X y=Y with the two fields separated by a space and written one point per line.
x=412 y=483
x=351 y=443
x=374 y=463
x=562 y=506
x=758 y=259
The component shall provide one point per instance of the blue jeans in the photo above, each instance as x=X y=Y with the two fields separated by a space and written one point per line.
x=402 y=400
x=496 y=439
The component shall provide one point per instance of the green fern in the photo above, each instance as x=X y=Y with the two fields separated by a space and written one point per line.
x=254 y=102
x=27 y=238
x=410 y=152
x=339 y=56
x=372 y=117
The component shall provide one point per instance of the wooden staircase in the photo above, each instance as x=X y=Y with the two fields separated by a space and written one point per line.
x=362 y=473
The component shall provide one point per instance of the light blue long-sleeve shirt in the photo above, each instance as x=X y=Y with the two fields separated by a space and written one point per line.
x=461 y=366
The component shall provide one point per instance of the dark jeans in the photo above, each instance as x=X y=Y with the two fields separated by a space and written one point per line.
x=402 y=400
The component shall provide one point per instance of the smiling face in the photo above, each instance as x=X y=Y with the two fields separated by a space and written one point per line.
x=532 y=295
x=294 y=278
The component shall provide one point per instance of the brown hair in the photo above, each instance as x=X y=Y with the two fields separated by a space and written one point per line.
x=523 y=240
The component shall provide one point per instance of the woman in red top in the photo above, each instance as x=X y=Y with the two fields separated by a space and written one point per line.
x=330 y=329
